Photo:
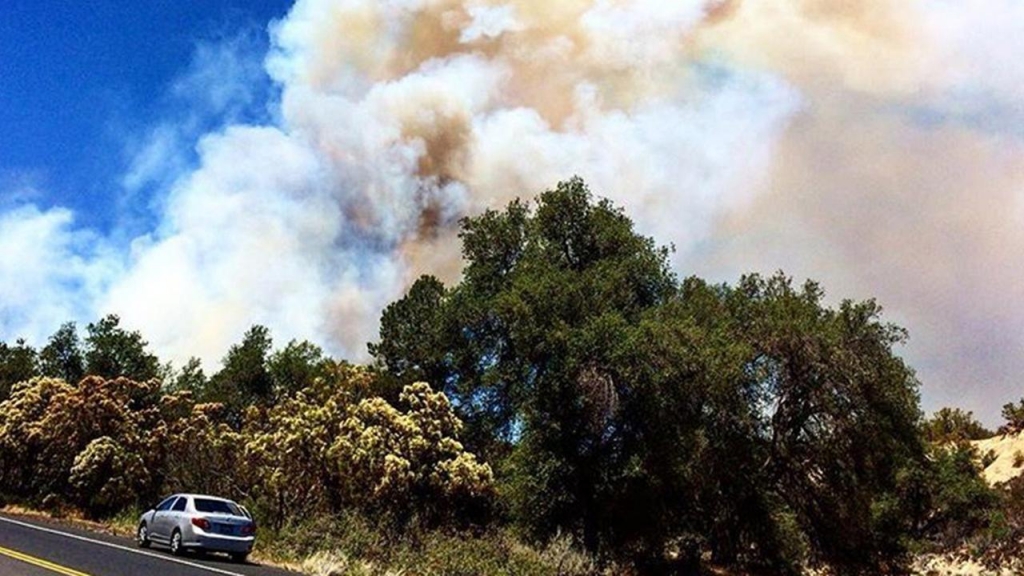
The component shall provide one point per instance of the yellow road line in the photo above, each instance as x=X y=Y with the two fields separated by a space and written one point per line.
x=40 y=562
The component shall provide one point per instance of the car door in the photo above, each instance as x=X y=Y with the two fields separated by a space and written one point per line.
x=176 y=516
x=160 y=525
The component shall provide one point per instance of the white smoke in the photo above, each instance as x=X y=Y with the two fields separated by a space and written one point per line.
x=838 y=140
x=398 y=118
x=905 y=182
x=51 y=271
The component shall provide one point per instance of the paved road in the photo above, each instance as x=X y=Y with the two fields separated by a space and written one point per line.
x=38 y=548
x=14 y=567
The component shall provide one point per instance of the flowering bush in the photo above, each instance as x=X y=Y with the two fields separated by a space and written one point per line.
x=60 y=440
x=107 y=444
x=399 y=462
x=21 y=437
x=106 y=478
x=286 y=449
x=199 y=452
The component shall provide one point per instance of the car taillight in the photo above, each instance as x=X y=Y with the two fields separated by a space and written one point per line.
x=201 y=522
x=248 y=529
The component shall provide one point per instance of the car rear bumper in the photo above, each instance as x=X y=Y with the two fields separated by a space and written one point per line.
x=219 y=543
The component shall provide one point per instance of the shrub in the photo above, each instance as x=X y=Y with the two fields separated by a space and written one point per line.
x=563 y=553
x=1001 y=545
x=106 y=478
x=286 y=449
x=960 y=504
x=953 y=425
x=1013 y=414
x=326 y=563
x=120 y=409
x=21 y=438
x=200 y=452
x=398 y=462
x=351 y=541
x=988 y=458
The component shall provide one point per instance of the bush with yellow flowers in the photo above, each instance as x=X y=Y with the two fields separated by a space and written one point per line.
x=21 y=437
x=199 y=452
x=90 y=442
x=107 y=478
x=107 y=444
x=404 y=462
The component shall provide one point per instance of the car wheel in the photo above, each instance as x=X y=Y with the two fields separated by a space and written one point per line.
x=142 y=537
x=239 y=557
x=176 y=548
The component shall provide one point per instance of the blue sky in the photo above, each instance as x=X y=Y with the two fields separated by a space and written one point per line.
x=81 y=83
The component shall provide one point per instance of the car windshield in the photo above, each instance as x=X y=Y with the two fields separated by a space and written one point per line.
x=217 y=507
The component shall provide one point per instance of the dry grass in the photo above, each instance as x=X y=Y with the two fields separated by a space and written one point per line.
x=328 y=563
x=71 y=518
x=945 y=565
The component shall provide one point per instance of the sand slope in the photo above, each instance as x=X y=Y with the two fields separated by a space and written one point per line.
x=1005 y=448
x=1009 y=452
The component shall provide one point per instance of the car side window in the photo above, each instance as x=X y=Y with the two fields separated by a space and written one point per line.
x=179 y=506
x=166 y=504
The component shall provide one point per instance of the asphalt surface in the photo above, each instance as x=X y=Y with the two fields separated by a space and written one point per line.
x=21 y=568
x=43 y=548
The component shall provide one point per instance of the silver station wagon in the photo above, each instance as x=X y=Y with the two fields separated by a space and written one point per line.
x=200 y=523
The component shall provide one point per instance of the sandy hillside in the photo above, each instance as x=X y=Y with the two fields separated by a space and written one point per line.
x=1009 y=452
x=1006 y=465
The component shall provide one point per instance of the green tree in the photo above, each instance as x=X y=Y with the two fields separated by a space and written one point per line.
x=837 y=418
x=113 y=352
x=191 y=378
x=243 y=379
x=532 y=276
x=960 y=503
x=954 y=425
x=297 y=366
x=655 y=420
x=18 y=363
x=410 y=333
x=62 y=356
x=1013 y=415
x=522 y=345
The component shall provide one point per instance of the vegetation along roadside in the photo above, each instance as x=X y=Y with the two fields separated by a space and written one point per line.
x=570 y=406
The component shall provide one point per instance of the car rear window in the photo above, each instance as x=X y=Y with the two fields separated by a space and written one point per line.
x=217 y=507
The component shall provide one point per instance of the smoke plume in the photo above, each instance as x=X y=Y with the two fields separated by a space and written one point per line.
x=873 y=145
x=398 y=118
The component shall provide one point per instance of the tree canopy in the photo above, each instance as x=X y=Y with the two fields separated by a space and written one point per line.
x=113 y=352
x=954 y=425
x=646 y=414
x=62 y=357
x=1013 y=417
x=17 y=364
